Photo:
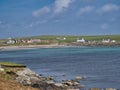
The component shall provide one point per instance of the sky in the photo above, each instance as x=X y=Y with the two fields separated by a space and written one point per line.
x=20 y=18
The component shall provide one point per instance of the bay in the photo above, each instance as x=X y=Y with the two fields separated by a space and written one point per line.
x=101 y=65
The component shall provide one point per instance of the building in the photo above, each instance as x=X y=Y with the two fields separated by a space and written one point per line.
x=32 y=41
x=11 y=41
x=35 y=40
x=106 y=40
x=113 y=41
x=81 y=40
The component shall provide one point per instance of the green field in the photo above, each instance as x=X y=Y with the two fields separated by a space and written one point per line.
x=74 y=38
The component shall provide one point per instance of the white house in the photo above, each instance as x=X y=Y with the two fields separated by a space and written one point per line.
x=106 y=40
x=113 y=41
x=81 y=40
x=10 y=41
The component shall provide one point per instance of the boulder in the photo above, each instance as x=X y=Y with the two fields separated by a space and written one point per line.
x=70 y=82
x=50 y=82
x=26 y=71
x=27 y=77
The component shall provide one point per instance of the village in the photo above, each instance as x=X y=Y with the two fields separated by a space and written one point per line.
x=59 y=41
x=67 y=41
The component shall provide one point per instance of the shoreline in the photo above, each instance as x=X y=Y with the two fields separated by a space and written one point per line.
x=13 y=47
x=26 y=77
x=30 y=47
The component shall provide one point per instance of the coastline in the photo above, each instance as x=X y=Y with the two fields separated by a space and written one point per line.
x=20 y=47
x=12 y=47
x=26 y=79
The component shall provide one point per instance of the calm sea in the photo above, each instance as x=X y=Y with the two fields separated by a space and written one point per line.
x=101 y=65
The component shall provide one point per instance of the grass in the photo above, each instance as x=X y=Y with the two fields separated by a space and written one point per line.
x=9 y=67
x=10 y=64
x=74 y=38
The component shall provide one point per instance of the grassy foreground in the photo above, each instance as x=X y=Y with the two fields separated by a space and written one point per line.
x=6 y=78
x=6 y=84
x=10 y=64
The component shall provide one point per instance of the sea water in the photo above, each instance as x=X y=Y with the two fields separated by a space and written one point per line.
x=100 y=65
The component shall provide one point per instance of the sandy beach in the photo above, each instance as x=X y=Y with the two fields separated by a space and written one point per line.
x=29 y=47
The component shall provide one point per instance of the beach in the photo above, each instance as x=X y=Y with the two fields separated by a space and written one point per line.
x=12 y=47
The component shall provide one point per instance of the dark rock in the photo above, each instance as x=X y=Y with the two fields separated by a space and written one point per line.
x=28 y=77
x=12 y=74
x=45 y=86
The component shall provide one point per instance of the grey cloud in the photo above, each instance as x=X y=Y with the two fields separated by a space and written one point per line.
x=108 y=8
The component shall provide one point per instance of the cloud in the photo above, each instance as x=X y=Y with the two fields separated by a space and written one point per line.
x=104 y=26
x=108 y=8
x=57 y=7
x=41 y=11
x=61 y=5
x=86 y=9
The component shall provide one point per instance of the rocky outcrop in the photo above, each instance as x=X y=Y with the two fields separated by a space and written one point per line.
x=7 y=84
x=28 y=77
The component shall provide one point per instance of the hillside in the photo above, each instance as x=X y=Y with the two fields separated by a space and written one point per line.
x=74 y=38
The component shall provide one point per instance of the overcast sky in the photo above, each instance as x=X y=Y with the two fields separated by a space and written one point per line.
x=59 y=17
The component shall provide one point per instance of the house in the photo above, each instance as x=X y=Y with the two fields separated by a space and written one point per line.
x=113 y=41
x=11 y=41
x=81 y=40
x=29 y=41
x=106 y=40
x=32 y=41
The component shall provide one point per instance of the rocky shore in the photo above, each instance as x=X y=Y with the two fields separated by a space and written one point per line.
x=27 y=77
x=96 y=44
x=22 y=76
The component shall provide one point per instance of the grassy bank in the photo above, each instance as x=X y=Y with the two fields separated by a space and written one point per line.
x=11 y=64
x=9 y=67
x=7 y=75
